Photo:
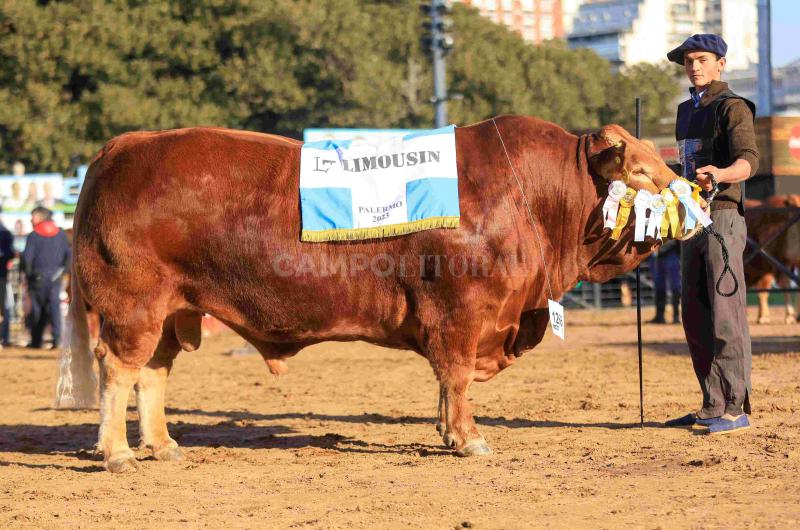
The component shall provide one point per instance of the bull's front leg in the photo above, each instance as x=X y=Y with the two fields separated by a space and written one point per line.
x=460 y=432
x=790 y=316
x=441 y=420
x=763 y=299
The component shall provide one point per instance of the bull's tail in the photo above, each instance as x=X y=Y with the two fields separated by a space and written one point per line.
x=77 y=384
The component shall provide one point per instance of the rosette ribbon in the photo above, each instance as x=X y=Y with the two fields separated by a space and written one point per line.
x=683 y=190
x=625 y=204
x=671 y=222
x=640 y=205
x=657 y=208
x=616 y=190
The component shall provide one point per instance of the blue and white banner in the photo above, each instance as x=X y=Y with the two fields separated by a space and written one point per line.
x=369 y=188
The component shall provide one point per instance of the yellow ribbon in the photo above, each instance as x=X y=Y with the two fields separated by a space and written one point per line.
x=671 y=221
x=625 y=204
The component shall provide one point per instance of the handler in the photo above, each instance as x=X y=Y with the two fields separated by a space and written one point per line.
x=717 y=145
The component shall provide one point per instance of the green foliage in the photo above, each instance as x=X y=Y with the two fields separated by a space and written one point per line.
x=75 y=73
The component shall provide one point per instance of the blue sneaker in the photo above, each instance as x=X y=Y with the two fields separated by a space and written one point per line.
x=727 y=424
x=706 y=422
x=683 y=421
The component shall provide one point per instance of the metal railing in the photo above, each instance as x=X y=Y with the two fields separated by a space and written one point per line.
x=792 y=216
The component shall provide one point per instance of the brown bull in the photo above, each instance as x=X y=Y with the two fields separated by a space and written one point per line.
x=760 y=272
x=174 y=224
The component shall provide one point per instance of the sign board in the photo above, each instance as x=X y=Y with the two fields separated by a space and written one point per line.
x=21 y=194
x=785 y=136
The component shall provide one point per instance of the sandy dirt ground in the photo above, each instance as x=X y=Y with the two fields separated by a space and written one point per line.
x=347 y=440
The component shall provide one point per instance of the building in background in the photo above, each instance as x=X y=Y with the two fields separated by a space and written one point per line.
x=535 y=20
x=569 y=8
x=628 y=32
x=785 y=87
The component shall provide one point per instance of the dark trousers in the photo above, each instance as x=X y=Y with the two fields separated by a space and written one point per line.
x=5 y=334
x=45 y=309
x=716 y=326
x=666 y=269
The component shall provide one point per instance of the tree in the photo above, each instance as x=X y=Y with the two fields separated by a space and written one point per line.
x=75 y=73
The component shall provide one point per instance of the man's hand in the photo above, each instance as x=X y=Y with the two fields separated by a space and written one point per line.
x=703 y=177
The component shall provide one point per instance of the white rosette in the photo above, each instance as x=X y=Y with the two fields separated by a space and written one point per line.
x=616 y=190
x=657 y=209
x=694 y=213
x=640 y=205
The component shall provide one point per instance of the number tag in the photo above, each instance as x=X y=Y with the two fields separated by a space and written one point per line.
x=556 y=318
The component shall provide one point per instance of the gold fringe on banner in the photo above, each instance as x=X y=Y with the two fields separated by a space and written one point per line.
x=376 y=232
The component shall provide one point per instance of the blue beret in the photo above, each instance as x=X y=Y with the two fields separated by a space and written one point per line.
x=699 y=43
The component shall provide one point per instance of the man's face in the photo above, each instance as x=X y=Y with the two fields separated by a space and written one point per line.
x=703 y=67
x=36 y=219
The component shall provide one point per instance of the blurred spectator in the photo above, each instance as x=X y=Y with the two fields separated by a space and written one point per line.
x=46 y=258
x=33 y=196
x=6 y=255
x=665 y=266
x=14 y=202
x=48 y=201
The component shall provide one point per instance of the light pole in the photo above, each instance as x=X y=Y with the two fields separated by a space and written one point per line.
x=439 y=43
x=764 y=107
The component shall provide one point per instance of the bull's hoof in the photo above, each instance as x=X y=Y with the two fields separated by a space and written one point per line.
x=763 y=320
x=789 y=319
x=169 y=453
x=122 y=464
x=475 y=448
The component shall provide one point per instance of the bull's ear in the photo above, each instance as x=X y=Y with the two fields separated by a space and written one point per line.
x=609 y=162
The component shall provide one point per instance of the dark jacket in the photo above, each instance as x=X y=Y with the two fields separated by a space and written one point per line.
x=6 y=250
x=724 y=121
x=47 y=253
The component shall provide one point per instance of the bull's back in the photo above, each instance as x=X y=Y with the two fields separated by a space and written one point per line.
x=159 y=206
x=210 y=219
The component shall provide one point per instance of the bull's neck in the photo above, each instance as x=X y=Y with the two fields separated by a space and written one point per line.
x=583 y=218
x=559 y=206
x=592 y=243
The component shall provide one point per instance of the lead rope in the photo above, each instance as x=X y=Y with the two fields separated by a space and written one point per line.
x=527 y=207
x=709 y=230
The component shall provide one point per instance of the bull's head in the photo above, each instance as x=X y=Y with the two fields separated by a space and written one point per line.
x=618 y=155
x=615 y=154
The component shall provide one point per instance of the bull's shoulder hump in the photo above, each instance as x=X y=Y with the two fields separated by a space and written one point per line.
x=516 y=122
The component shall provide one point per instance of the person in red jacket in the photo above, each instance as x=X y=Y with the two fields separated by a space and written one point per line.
x=45 y=259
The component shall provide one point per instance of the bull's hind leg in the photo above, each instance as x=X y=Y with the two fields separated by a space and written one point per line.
x=116 y=381
x=150 y=391
x=122 y=352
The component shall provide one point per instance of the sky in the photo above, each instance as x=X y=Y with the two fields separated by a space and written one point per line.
x=785 y=31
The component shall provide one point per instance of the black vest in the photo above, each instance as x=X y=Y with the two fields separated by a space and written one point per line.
x=706 y=145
